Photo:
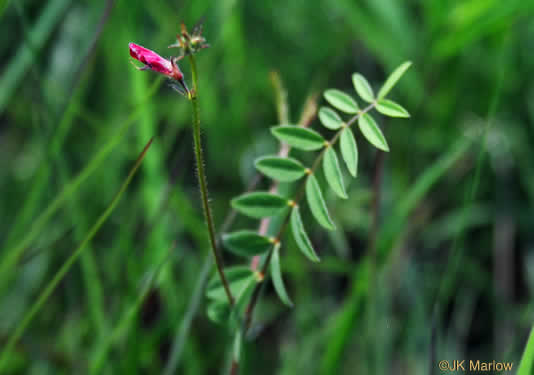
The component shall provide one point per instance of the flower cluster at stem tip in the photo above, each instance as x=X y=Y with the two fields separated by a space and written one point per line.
x=188 y=43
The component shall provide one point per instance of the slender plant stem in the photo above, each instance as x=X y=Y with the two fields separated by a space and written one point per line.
x=194 y=303
x=256 y=292
x=202 y=182
x=12 y=255
x=60 y=274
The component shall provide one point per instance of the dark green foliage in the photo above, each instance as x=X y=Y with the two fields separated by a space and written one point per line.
x=259 y=204
x=238 y=277
x=349 y=151
x=332 y=172
x=280 y=169
x=303 y=139
x=301 y=238
x=458 y=180
x=246 y=243
x=317 y=204
x=276 y=274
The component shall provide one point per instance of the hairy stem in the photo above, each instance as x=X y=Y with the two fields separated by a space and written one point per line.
x=202 y=182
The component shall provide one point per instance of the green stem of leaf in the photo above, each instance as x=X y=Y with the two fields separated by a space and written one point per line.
x=202 y=182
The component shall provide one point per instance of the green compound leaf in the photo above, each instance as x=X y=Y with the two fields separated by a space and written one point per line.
x=329 y=118
x=301 y=238
x=339 y=100
x=372 y=132
x=393 y=79
x=259 y=204
x=317 y=203
x=299 y=137
x=391 y=109
x=363 y=88
x=280 y=169
x=349 y=151
x=238 y=278
x=246 y=243
x=276 y=274
x=332 y=172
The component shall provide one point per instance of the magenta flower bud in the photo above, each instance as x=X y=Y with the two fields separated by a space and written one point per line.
x=155 y=62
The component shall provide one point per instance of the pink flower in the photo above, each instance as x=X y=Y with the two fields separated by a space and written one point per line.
x=155 y=62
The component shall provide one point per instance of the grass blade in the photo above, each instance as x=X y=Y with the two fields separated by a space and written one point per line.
x=14 y=73
x=51 y=286
x=13 y=254
x=526 y=366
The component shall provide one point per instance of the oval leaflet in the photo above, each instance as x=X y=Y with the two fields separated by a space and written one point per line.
x=280 y=169
x=299 y=137
x=339 y=100
x=317 y=204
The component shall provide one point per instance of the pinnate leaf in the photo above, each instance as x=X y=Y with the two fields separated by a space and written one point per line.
x=332 y=172
x=363 y=88
x=390 y=108
x=246 y=243
x=349 y=151
x=393 y=79
x=301 y=238
x=259 y=204
x=299 y=137
x=329 y=118
x=339 y=100
x=372 y=132
x=276 y=274
x=317 y=204
x=280 y=169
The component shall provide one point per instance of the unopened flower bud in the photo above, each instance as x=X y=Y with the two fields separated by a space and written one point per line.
x=155 y=62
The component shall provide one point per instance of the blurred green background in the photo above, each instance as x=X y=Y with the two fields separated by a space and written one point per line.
x=452 y=276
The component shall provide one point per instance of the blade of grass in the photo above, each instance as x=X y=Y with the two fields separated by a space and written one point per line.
x=343 y=323
x=392 y=228
x=123 y=326
x=91 y=279
x=21 y=62
x=185 y=325
x=13 y=254
x=456 y=254
x=51 y=286
x=41 y=180
x=497 y=19
x=526 y=366
x=70 y=109
x=152 y=184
